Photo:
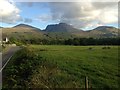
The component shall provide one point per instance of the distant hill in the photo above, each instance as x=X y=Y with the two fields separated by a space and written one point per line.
x=57 y=31
x=104 y=31
x=23 y=28
x=26 y=26
x=22 y=31
x=104 y=28
x=22 y=25
x=100 y=32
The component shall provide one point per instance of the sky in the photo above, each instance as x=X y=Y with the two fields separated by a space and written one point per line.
x=82 y=15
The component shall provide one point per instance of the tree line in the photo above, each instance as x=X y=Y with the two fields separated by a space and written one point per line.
x=74 y=41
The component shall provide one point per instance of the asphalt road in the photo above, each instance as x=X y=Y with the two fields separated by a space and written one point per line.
x=7 y=56
x=4 y=59
x=0 y=72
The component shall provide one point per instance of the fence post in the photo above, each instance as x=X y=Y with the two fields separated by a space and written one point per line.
x=86 y=83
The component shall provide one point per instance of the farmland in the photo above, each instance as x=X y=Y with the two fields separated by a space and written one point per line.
x=54 y=66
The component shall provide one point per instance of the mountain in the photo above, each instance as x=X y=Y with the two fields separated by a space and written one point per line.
x=25 y=27
x=22 y=25
x=61 y=30
x=22 y=31
x=101 y=31
x=104 y=28
x=61 y=27
x=57 y=31
x=104 y=31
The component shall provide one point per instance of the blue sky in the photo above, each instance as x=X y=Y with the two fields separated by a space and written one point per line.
x=84 y=16
x=31 y=12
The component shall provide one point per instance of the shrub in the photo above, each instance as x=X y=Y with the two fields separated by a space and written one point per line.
x=105 y=47
x=90 y=48
x=22 y=66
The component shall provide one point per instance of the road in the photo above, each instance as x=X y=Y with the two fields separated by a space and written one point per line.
x=4 y=59
x=7 y=56
x=0 y=72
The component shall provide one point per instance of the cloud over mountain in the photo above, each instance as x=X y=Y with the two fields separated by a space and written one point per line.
x=85 y=14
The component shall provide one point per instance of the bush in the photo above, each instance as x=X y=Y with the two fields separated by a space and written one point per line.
x=23 y=64
x=108 y=47
x=105 y=47
x=90 y=48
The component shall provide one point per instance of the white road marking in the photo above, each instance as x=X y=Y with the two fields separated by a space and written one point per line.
x=5 y=64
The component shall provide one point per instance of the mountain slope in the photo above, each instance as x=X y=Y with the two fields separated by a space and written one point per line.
x=23 y=28
x=57 y=31
x=26 y=27
x=62 y=31
x=104 y=31
x=104 y=28
x=100 y=32
x=61 y=27
x=22 y=31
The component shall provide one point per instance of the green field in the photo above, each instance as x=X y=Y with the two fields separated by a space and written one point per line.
x=64 y=67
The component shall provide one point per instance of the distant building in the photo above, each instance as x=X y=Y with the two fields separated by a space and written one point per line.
x=6 y=40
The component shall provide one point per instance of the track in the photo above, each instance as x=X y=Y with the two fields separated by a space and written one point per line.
x=7 y=56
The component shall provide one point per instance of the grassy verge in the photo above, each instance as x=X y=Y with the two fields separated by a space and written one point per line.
x=17 y=72
x=63 y=67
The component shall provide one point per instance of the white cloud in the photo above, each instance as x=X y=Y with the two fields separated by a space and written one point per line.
x=85 y=14
x=44 y=18
x=9 y=13
x=108 y=16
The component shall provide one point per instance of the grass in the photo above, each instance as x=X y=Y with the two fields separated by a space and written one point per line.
x=67 y=66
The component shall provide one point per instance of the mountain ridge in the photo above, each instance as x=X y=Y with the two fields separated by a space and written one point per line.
x=26 y=25
x=61 y=27
x=62 y=30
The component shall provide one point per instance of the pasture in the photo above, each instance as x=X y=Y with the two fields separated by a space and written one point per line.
x=67 y=66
